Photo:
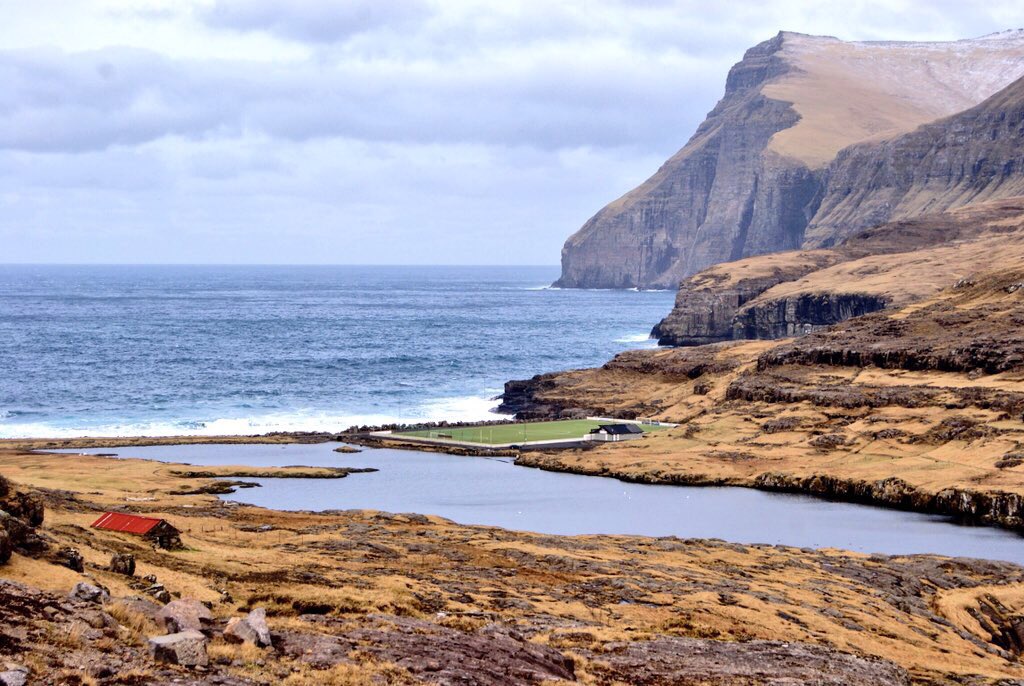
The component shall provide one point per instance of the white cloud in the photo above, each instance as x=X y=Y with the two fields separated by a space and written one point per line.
x=416 y=130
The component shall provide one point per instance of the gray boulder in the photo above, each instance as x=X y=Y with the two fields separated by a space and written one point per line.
x=184 y=615
x=252 y=629
x=14 y=677
x=89 y=593
x=186 y=648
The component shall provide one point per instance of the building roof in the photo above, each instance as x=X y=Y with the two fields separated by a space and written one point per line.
x=127 y=523
x=618 y=429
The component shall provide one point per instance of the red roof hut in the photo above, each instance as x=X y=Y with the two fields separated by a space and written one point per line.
x=158 y=530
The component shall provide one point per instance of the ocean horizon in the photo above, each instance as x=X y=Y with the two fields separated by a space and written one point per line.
x=158 y=350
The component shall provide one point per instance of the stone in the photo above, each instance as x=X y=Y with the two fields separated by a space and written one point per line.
x=252 y=629
x=70 y=558
x=14 y=677
x=89 y=593
x=184 y=615
x=141 y=605
x=185 y=648
x=123 y=564
x=5 y=547
x=239 y=631
x=258 y=621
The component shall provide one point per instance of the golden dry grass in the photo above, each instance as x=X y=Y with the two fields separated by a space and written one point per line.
x=850 y=92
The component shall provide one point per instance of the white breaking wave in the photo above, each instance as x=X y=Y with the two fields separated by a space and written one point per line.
x=634 y=338
x=460 y=409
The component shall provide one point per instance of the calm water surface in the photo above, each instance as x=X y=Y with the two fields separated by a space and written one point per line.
x=472 y=490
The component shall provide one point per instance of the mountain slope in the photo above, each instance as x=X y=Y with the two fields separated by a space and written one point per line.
x=893 y=264
x=967 y=158
x=750 y=179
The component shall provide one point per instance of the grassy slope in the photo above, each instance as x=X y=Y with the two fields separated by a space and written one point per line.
x=512 y=433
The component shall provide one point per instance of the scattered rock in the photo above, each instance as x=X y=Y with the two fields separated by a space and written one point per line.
x=828 y=441
x=700 y=661
x=186 y=648
x=89 y=593
x=185 y=615
x=123 y=564
x=70 y=558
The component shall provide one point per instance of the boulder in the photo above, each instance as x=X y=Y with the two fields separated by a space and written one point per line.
x=5 y=547
x=186 y=648
x=141 y=605
x=14 y=677
x=123 y=564
x=239 y=630
x=252 y=629
x=184 y=615
x=257 y=619
x=70 y=558
x=89 y=593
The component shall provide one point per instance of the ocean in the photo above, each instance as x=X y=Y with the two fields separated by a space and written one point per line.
x=209 y=350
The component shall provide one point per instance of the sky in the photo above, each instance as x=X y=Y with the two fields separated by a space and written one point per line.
x=369 y=131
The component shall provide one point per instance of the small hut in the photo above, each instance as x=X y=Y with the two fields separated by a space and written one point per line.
x=616 y=432
x=159 y=531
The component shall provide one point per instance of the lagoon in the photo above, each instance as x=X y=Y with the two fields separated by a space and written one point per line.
x=495 y=492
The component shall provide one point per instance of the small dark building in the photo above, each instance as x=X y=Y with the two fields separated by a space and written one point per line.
x=159 y=531
x=616 y=432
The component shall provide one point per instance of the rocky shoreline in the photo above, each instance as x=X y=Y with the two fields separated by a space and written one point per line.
x=1003 y=510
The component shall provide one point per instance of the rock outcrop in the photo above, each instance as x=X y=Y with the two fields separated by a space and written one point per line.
x=707 y=303
x=972 y=156
x=768 y=663
x=893 y=264
x=759 y=171
x=20 y=514
x=702 y=206
x=802 y=314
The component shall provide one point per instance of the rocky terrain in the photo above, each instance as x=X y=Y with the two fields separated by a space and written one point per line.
x=265 y=597
x=814 y=139
x=893 y=264
x=918 y=407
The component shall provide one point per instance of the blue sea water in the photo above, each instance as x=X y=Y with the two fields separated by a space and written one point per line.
x=169 y=350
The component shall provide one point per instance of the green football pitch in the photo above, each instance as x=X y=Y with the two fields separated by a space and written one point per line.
x=516 y=433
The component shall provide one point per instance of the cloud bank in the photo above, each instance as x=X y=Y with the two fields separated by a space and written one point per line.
x=367 y=131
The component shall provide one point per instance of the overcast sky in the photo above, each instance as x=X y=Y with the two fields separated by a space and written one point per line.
x=369 y=131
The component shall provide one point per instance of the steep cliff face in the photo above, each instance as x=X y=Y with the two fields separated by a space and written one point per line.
x=707 y=303
x=702 y=206
x=802 y=314
x=752 y=177
x=973 y=156
x=794 y=293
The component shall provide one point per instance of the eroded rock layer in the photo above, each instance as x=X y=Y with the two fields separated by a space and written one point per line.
x=763 y=166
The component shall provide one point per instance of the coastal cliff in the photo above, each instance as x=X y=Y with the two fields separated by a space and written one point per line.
x=721 y=197
x=764 y=173
x=973 y=156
